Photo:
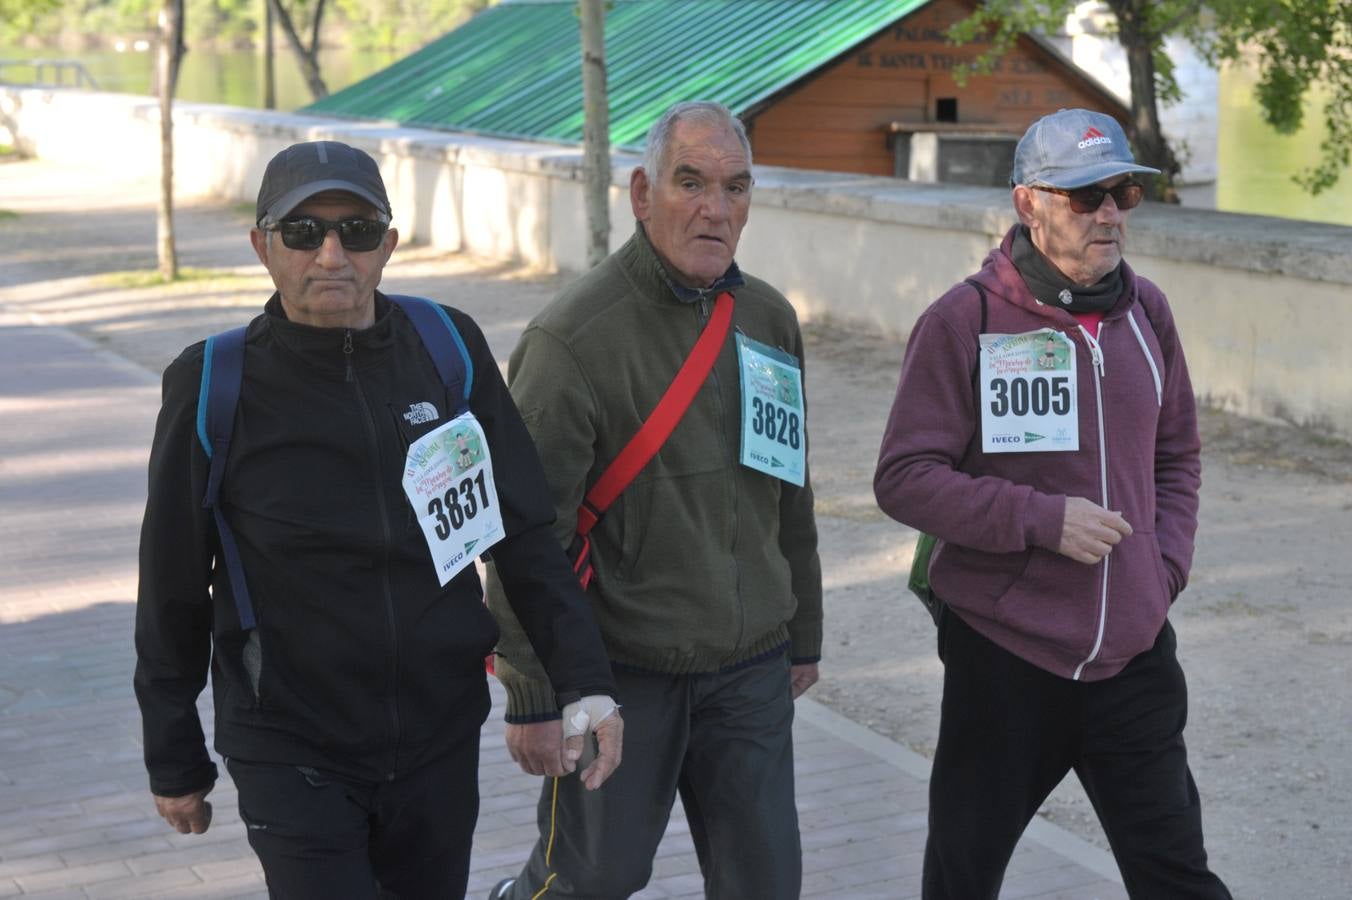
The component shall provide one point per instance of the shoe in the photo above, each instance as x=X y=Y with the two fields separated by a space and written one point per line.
x=501 y=888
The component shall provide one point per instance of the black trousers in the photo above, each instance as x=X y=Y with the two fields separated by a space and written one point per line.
x=320 y=837
x=1009 y=733
x=724 y=742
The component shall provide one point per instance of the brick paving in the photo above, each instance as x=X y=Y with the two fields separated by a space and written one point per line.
x=76 y=820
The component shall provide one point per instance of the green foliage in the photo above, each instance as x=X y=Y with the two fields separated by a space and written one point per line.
x=1000 y=22
x=228 y=21
x=20 y=17
x=396 y=24
x=365 y=24
x=1295 y=43
x=8 y=214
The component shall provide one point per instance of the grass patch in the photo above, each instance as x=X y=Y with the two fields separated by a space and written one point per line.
x=141 y=278
x=7 y=150
x=8 y=214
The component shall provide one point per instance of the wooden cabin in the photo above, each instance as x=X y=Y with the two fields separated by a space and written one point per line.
x=861 y=86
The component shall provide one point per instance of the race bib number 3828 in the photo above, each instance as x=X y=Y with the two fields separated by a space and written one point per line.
x=773 y=437
x=1028 y=393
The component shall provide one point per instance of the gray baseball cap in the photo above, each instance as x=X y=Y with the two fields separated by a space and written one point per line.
x=1072 y=148
x=303 y=170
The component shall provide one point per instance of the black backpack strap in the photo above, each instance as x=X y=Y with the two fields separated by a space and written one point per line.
x=218 y=398
x=444 y=344
x=222 y=376
x=981 y=292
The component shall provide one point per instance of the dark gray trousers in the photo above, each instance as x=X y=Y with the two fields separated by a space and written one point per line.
x=725 y=743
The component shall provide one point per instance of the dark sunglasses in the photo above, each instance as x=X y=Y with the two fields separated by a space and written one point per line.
x=308 y=232
x=1126 y=195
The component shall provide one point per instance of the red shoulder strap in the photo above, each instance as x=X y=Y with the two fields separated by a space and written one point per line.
x=661 y=422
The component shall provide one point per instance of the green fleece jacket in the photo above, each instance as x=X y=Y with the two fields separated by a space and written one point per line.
x=702 y=563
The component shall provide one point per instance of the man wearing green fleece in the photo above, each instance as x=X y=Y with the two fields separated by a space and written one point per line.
x=707 y=584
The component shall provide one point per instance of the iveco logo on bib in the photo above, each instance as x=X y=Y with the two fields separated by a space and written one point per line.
x=1006 y=439
x=1093 y=137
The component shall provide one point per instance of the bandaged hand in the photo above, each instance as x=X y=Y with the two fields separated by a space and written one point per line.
x=599 y=715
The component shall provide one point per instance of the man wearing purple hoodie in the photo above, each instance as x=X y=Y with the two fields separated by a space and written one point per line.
x=1045 y=431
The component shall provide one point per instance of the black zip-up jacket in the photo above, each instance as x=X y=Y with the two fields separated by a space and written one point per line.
x=361 y=664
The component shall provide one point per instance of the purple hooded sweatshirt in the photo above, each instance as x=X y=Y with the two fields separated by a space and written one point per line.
x=998 y=516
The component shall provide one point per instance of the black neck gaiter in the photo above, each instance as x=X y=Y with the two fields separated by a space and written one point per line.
x=1048 y=284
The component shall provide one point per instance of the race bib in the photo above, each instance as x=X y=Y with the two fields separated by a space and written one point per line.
x=448 y=477
x=773 y=437
x=1028 y=393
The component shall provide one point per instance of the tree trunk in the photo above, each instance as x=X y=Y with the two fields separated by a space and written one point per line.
x=269 y=59
x=309 y=59
x=171 y=25
x=1151 y=147
x=595 y=131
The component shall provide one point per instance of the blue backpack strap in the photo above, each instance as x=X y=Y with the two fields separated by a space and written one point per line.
x=222 y=376
x=444 y=344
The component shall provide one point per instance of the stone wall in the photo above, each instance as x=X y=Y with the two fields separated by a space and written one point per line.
x=1263 y=304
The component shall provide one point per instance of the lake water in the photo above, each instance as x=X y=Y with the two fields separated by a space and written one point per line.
x=1255 y=163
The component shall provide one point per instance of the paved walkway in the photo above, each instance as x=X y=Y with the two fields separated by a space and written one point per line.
x=75 y=816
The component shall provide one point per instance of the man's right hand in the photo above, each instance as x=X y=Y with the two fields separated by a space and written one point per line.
x=1089 y=531
x=189 y=814
x=538 y=748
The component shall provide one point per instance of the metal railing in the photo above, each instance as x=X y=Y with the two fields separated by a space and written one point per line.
x=49 y=73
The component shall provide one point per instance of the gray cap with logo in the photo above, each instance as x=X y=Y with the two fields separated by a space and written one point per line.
x=1073 y=148
x=303 y=170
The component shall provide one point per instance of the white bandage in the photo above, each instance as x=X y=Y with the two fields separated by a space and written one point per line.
x=585 y=714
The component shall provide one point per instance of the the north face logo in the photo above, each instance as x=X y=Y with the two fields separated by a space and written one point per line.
x=418 y=413
x=1093 y=137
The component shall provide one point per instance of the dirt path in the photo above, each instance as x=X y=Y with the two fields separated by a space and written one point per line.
x=1265 y=630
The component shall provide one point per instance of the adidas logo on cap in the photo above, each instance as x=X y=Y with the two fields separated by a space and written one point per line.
x=1093 y=137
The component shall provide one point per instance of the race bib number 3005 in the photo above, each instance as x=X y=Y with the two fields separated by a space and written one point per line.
x=1028 y=393
x=448 y=477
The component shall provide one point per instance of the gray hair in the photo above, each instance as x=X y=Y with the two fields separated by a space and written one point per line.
x=703 y=111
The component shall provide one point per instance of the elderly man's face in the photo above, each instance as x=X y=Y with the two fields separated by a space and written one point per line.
x=695 y=209
x=1084 y=246
x=330 y=287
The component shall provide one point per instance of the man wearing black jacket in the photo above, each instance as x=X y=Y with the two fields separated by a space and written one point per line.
x=348 y=676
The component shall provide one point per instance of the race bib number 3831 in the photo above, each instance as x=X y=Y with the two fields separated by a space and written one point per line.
x=1028 y=393
x=448 y=477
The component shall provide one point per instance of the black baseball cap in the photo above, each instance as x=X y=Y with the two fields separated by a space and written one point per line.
x=303 y=170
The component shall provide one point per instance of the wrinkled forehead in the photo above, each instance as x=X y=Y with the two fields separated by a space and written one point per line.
x=704 y=145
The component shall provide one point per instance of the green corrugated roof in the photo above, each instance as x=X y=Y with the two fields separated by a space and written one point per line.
x=514 y=70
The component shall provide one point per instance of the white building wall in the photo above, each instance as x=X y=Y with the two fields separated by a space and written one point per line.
x=1264 y=305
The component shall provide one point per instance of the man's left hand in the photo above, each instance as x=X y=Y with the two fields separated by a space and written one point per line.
x=189 y=814
x=801 y=677
x=596 y=714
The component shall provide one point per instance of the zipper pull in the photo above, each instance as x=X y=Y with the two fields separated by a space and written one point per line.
x=1095 y=351
x=347 y=355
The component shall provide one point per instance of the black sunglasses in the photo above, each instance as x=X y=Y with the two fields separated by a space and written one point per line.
x=1126 y=195
x=308 y=232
